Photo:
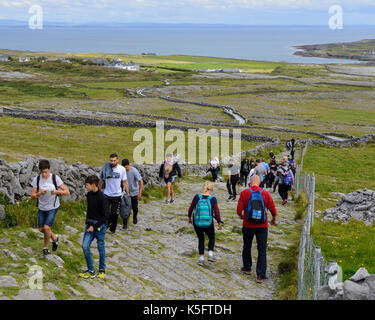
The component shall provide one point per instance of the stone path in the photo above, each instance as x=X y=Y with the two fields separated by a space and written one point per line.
x=157 y=258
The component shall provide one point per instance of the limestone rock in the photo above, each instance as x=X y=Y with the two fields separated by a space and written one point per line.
x=8 y=281
x=355 y=291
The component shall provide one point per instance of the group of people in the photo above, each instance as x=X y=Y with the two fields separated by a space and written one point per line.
x=272 y=175
x=105 y=196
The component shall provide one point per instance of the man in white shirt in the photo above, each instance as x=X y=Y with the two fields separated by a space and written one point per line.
x=114 y=177
x=46 y=189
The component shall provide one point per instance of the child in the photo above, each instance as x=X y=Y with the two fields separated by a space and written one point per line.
x=96 y=219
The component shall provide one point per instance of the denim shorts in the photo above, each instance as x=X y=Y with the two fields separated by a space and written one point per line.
x=170 y=179
x=46 y=217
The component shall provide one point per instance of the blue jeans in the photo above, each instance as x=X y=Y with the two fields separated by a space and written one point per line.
x=88 y=238
x=46 y=217
x=261 y=236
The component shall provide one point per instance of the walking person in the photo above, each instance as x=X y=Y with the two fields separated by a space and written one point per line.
x=47 y=188
x=95 y=227
x=251 y=173
x=261 y=172
x=272 y=173
x=135 y=183
x=205 y=208
x=214 y=164
x=245 y=170
x=169 y=170
x=284 y=179
x=233 y=178
x=113 y=178
x=251 y=207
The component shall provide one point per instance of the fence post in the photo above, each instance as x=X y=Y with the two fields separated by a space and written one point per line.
x=312 y=187
x=317 y=256
x=301 y=262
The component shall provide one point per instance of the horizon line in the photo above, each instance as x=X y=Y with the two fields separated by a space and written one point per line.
x=10 y=22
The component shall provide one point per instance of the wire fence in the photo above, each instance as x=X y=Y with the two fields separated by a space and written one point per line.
x=313 y=271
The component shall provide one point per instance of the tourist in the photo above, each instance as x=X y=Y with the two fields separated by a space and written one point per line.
x=95 y=227
x=169 y=170
x=261 y=172
x=205 y=207
x=112 y=180
x=284 y=179
x=252 y=210
x=245 y=170
x=233 y=178
x=135 y=183
x=45 y=188
x=214 y=164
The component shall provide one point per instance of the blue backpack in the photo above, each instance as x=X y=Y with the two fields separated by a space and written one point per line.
x=255 y=211
x=203 y=212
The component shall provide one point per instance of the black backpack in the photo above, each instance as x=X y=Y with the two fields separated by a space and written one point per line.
x=37 y=188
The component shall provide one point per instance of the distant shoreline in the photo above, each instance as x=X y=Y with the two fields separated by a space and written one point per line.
x=363 y=50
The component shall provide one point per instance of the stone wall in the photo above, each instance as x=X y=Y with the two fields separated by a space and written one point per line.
x=15 y=178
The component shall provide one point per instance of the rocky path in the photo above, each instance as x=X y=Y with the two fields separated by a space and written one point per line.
x=157 y=258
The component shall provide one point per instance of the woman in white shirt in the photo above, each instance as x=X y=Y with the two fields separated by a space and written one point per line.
x=214 y=164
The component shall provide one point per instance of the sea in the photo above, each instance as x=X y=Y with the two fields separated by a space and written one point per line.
x=263 y=43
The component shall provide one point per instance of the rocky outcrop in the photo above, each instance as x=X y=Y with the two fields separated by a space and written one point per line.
x=358 y=205
x=361 y=286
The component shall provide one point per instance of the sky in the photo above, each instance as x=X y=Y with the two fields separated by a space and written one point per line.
x=244 y=12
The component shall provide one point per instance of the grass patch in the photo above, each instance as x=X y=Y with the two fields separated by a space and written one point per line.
x=341 y=169
x=351 y=244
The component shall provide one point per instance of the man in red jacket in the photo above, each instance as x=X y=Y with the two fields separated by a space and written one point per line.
x=260 y=230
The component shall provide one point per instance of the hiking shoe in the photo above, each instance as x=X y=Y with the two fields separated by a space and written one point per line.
x=46 y=251
x=87 y=275
x=211 y=258
x=233 y=198
x=230 y=197
x=201 y=263
x=166 y=202
x=172 y=200
x=55 y=243
x=101 y=274
x=260 y=279
x=125 y=227
x=135 y=220
x=245 y=271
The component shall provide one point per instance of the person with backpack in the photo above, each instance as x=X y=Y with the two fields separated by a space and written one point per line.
x=214 y=168
x=205 y=208
x=112 y=181
x=135 y=183
x=245 y=170
x=285 y=180
x=95 y=227
x=233 y=178
x=251 y=208
x=47 y=188
x=169 y=169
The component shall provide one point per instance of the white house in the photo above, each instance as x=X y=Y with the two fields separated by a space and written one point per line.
x=25 y=59
x=131 y=66
x=4 y=58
